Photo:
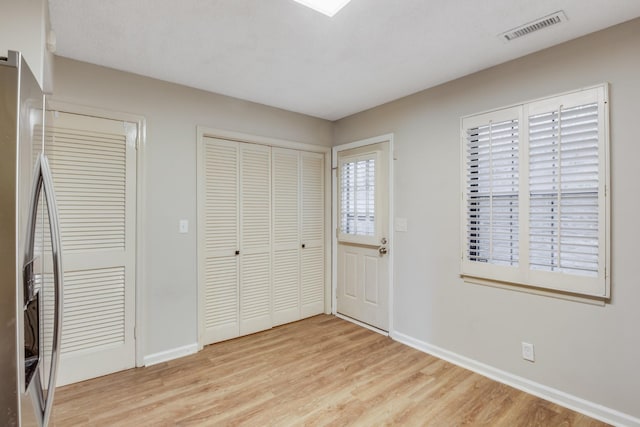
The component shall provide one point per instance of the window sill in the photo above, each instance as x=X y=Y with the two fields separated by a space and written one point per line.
x=535 y=290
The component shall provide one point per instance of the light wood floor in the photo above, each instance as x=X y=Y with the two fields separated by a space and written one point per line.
x=319 y=371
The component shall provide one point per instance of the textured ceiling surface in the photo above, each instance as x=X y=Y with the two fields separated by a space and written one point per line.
x=282 y=54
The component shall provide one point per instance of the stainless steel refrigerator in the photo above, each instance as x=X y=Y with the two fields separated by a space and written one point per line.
x=30 y=253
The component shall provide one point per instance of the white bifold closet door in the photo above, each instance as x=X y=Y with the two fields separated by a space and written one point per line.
x=237 y=235
x=298 y=234
x=255 y=238
x=262 y=244
x=286 y=236
x=312 y=267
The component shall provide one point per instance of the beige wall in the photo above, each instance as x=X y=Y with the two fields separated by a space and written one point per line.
x=588 y=351
x=172 y=113
x=24 y=28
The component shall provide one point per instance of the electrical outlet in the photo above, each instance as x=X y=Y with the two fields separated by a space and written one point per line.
x=527 y=352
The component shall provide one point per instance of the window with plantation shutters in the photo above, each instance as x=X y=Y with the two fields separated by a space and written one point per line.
x=357 y=198
x=535 y=208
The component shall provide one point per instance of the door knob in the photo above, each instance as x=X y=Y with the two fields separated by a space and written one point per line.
x=383 y=249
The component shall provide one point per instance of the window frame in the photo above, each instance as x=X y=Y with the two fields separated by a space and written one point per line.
x=522 y=275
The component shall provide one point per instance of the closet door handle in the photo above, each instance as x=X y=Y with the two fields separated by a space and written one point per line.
x=303 y=246
x=237 y=252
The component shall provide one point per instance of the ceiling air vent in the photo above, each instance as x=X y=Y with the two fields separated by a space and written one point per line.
x=538 y=24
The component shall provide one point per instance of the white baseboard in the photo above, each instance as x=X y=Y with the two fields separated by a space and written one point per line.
x=567 y=400
x=167 y=355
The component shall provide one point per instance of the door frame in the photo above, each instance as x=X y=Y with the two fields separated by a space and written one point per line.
x=140 y=209
x=203 y=132
x=388 y=138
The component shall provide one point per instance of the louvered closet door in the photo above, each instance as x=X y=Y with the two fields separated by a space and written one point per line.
x=93 y=165
x=221 y=240
x=255 y=238
x=286 y=235
x=312 y=234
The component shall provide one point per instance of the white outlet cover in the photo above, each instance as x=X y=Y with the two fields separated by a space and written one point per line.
x=183 y=226
x=528 y=352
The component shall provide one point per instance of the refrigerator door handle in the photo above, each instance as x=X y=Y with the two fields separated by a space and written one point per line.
x=43 y=181
x=56 y=249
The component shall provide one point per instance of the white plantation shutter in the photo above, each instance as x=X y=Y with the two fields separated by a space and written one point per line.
x=563 y=164
x=492 y=193
x=357 y=198
x=535 y=207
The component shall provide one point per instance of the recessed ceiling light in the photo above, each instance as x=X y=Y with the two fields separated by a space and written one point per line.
x=327 y=7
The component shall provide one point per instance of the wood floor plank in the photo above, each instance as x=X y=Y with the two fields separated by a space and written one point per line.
x=322 y=371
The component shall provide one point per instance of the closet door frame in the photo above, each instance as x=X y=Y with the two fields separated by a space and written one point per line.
x=204 y=132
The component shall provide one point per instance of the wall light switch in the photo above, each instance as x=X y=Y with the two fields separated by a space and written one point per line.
x=400 y=224
x=183 y=225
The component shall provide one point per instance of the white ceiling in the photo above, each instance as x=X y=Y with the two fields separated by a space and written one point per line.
x=279 y=53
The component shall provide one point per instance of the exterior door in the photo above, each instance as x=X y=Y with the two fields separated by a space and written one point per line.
x=93 y=162
x=363 y=224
